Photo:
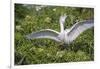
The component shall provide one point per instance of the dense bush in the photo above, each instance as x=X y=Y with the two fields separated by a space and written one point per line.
x=29 y=18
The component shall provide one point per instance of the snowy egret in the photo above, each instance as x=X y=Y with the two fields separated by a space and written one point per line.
x=66 y=36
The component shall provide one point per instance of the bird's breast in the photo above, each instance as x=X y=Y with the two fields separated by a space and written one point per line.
x=61 y=36
x=66 y=38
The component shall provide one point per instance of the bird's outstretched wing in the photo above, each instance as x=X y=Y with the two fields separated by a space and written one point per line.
x=78 y=28
x=46 y=33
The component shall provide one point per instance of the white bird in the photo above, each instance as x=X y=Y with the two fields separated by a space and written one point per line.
x=64 y=36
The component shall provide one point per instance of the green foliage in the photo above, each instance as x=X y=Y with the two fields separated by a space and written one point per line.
x=41 y=51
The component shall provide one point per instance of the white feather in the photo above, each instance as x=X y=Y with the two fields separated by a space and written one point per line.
x=46 y=33
x=78 y=28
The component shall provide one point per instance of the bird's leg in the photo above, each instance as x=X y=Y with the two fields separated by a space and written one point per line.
x=63 y=46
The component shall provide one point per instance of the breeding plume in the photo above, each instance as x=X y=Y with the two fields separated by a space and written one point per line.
x=65 y=36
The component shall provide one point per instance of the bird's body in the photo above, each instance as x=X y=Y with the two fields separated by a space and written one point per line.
x=66 y=36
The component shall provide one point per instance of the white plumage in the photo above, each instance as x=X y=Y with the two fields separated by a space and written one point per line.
x=46 y=33
x=66 y=36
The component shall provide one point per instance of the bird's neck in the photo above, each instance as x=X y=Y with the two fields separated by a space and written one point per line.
x=62 y=27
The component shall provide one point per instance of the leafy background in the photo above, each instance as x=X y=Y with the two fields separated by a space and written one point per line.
x=32 y=18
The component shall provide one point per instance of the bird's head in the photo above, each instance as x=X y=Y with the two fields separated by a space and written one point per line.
x=62 y=18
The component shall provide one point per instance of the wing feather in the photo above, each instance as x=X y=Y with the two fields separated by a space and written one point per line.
x=78 y=28
x=46 y=33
